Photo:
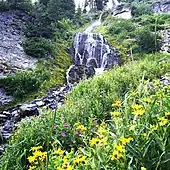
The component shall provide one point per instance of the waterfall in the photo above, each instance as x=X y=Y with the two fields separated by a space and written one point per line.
x=116 y=2
x=94 y=24
x=92 y=53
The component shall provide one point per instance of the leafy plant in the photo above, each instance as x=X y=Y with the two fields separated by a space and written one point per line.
x=24 y=83
x=38 y=47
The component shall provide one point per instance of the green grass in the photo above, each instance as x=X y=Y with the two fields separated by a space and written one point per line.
x=89 y=100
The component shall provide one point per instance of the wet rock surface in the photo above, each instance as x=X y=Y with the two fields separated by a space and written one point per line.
x=12 y=55
x=122 y=11
x=77 y=73
x=161 y=7
x=91 y=52
x=4 y=97
x=9 y=118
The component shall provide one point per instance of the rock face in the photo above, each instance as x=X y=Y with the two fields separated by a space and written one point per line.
x=77 y=73
x=166 y=40
x=91 y=51
x=4 y=98
x=122 y=11
x=161 y=7
x=12 y=55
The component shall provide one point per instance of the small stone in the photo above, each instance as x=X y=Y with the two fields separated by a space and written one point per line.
x=40 y=103
x=6 y=113
x=3 y=118
x=28 y=110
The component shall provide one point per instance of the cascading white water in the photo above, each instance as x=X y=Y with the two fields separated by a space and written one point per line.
x=94 y=25
x=116 y=2
x=91 y=51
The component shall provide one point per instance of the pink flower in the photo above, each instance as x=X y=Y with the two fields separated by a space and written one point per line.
x=63 y=134
x=66 y=125
x=95 y=121
x=62 y=117
x=76 y=132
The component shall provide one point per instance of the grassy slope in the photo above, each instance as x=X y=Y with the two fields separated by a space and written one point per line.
x=91 y=99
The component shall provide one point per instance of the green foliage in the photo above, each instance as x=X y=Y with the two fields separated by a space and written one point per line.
x=25 y=5
x=58 y=9
x=141 y=9
x=3 y=6
x=147 y=40
x=39 y=30
x=160 y=21
x=88 y=101
x=24 y=83
x=36 y=131
x=94 y=97
x=38 y=47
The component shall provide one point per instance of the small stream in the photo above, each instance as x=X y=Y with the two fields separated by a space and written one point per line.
x=92 y=55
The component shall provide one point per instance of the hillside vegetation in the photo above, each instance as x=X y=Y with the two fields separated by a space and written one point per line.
x=119 y=120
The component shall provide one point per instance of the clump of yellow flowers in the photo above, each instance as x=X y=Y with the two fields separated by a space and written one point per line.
x=138 y=110
x=37 y=158
x=119 y=149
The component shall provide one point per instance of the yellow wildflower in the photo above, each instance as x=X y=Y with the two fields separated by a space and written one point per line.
x=139 y=112
x=32 y=167
x=65 y=165
x=163 y=121
x=69 y=168
x=38 y=154
x=102 y=131
x=120 y=148
x=31 y=159
x=81 y=128
x=59 y=152
x=103 y=124
x=136 y=106
x=153 y=127
x=143 y=168
x=125 y=140
x=116 y=155
x=36 y=148
x=94 y=141
x=103 y=141
x=117 y=103
x=80 y=159
x=148 y=100
x=167 y=113
x=115 y=113
x=144 y=134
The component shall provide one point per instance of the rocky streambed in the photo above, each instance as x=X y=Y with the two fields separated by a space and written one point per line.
x=9 y=118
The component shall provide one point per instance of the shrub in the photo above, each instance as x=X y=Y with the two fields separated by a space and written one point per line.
x=25 y=5
x=39 y=30
x=3 y=6
x=24 y=83
x=121 y=29
x=141 y=9
x=38 y=47
x=147 y=40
